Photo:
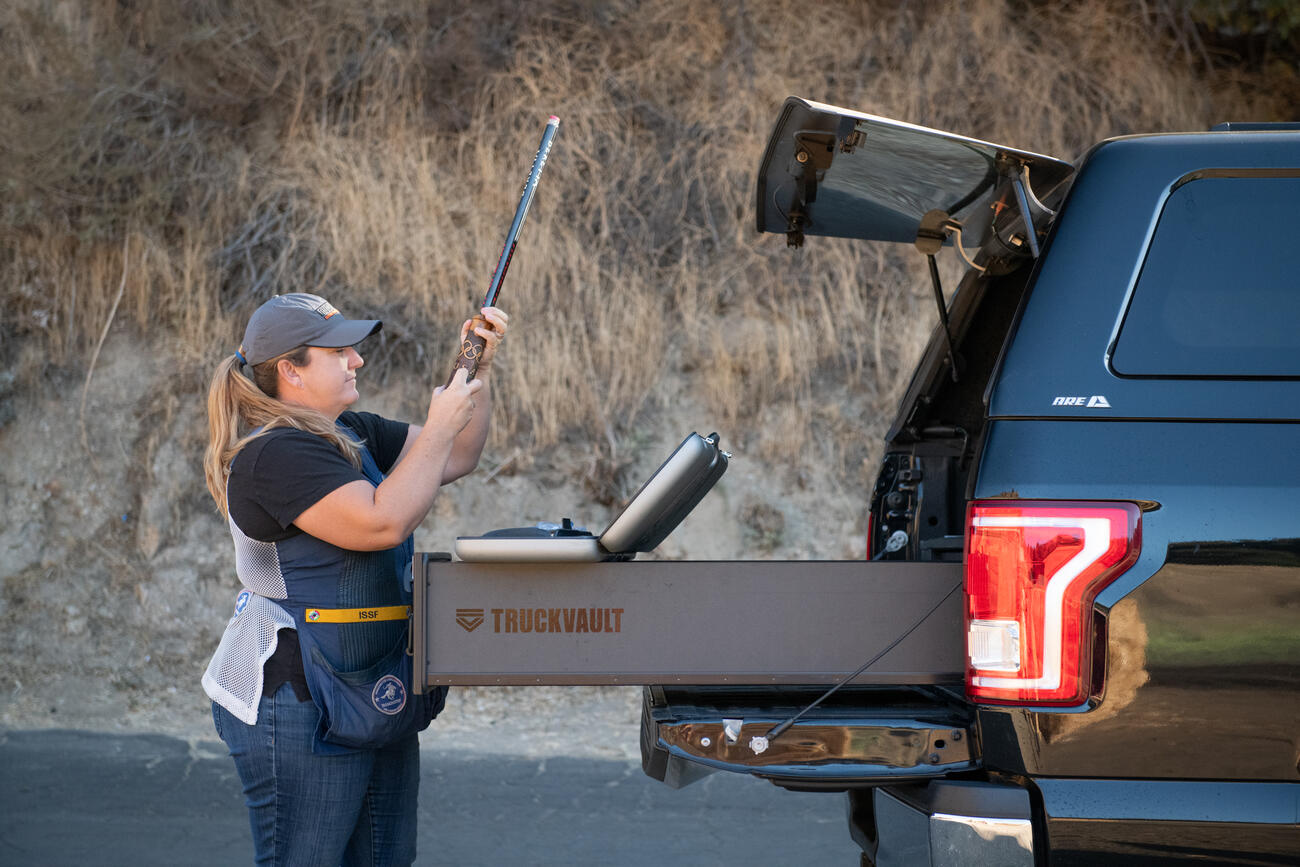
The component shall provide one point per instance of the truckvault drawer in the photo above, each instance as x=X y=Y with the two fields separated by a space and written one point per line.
x=701 y=622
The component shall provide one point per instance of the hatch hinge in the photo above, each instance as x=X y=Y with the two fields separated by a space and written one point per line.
x=1032 y=211
x=814 y=150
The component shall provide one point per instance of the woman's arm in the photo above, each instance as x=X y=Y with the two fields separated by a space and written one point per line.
x=360 y=516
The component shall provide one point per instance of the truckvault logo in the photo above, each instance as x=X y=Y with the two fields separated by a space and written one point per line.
x=557 y=619
x=469 y=618
x=1097 y=401
x=544 y=619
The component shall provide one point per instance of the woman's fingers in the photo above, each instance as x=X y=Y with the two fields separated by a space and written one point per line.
x=491 y=325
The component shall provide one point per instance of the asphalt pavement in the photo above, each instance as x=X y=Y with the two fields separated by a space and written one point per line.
x=88 y=798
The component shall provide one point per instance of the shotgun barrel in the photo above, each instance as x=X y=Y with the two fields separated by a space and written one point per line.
x=471 y=349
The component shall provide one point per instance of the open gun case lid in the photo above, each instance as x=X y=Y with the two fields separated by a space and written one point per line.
x=653 y=512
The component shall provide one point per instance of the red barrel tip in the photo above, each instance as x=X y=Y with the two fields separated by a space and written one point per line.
x=554 y=119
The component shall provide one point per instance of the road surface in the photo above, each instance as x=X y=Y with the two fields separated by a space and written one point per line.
x=89 y=798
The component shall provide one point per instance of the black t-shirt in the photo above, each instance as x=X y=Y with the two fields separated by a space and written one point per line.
x=278 y=476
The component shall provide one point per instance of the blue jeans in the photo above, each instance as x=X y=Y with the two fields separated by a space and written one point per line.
x=356 y=810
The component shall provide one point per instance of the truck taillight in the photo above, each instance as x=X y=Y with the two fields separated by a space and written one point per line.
x=1033 y=570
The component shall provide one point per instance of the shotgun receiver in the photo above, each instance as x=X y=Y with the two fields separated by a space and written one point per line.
x=471 y=349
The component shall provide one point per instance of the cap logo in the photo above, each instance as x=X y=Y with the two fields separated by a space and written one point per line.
x=326 y=309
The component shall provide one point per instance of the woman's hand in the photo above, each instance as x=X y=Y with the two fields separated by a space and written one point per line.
x=491 y=325
x=452 y=405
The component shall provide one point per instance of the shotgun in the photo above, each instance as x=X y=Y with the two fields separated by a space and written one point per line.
x=471 y=350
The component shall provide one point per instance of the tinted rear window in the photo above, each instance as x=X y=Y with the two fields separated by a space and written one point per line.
x=1219 y=292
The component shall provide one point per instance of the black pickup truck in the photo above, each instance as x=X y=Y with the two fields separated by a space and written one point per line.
x=1099 y=449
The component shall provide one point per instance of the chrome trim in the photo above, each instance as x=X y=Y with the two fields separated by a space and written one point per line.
x=820 y=748
x=971 y=841
x=951 y=824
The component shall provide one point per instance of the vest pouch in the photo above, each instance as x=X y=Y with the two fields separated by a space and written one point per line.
x=366 y=709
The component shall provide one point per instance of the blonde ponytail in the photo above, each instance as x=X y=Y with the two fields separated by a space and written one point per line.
x=237 y=405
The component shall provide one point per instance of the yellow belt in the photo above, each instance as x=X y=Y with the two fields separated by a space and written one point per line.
x=357 y=615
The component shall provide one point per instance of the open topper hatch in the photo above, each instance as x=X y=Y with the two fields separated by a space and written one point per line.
x=654 y=511
x=842 y=173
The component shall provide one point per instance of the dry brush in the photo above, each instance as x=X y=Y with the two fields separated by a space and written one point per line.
x=215 y=153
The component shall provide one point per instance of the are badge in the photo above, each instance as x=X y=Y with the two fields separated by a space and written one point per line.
x=389 y=695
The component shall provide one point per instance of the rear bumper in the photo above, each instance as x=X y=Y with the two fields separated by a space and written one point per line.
x=685 y=737
x=944 y=823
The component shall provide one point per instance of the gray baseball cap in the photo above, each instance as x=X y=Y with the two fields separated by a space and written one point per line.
x=286 y=322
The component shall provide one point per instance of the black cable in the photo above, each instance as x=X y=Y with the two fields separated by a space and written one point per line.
x=782 y=727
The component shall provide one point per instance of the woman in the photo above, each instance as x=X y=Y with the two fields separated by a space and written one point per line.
x=311 y=684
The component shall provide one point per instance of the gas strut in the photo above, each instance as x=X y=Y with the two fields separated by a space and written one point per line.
x=935 y=227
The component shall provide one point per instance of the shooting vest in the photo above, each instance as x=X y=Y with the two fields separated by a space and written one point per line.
x=350 y=609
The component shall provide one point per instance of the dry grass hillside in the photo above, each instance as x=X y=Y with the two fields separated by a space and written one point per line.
x=166 y=166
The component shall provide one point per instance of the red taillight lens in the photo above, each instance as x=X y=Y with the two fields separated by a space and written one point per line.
x=1033 y=571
